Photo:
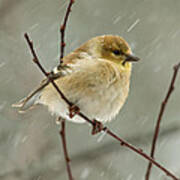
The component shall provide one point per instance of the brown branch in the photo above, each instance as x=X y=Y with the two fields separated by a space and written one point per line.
x=62 y=31
x=161 y=112
x=108 y=131
x=62 y=46
x=63 y=123
x=48 y=75
x=63 y=137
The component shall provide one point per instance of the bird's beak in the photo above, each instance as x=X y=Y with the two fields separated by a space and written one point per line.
x=131 y=58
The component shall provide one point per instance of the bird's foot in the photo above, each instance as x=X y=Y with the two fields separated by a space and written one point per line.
x=97 y=127
x=73 y=110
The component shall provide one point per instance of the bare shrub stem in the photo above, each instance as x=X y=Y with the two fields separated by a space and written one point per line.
x=161 y=112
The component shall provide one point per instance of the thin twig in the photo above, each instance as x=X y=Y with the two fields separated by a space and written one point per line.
x=161 y=112
x=141 y=153
x=63 y=137
x=122 y=142
x=63 y=123
x=48 y=75
x=62 y=30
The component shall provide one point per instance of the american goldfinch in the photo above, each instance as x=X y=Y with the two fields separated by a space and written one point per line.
x=95 y=77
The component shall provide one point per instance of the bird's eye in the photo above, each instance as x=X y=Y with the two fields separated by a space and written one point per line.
x=117 y=52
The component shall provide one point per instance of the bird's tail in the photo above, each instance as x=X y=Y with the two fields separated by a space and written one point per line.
x=31 y=99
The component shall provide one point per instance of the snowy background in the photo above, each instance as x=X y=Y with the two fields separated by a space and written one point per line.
x=30 y=146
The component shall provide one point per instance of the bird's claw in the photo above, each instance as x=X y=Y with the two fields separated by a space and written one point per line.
x=97 y=127
x=73 y=110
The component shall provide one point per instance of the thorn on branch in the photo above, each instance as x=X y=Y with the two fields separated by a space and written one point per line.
x=141 y=150
x=34 y=60
x=63 y=44
x=68 y=160
x=122 y=143
x=176 y=67
x=62 y=28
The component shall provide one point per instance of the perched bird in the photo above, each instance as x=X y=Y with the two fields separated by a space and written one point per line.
x=95 y=77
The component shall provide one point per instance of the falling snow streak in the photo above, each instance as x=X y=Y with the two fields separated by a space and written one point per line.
x=133 y=25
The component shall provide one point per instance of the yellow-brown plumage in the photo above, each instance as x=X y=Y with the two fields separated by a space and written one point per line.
x=95 y=77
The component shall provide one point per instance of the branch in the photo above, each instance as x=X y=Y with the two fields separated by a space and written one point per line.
x=161 y=112
x=62 y=45
x=63 y=123
x=48 y=75
x=63 y=137
x=62 y=31
x=93 y=123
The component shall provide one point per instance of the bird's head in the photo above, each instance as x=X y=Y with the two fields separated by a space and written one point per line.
x=112 y=48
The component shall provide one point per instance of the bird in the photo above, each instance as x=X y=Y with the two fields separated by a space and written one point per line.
x=94 y=77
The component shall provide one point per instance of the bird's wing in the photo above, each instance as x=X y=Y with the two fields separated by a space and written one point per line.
x=34 y=96
x=87 y=78
x=89 y=87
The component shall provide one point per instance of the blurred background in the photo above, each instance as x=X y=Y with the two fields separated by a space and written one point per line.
x=30 y=146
